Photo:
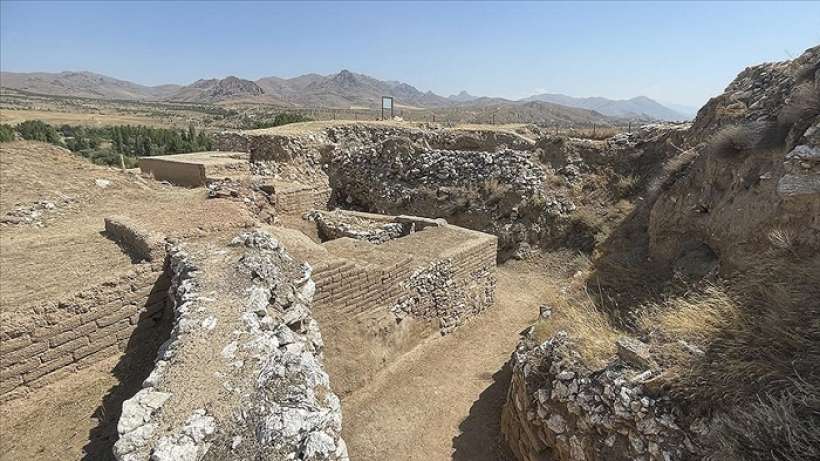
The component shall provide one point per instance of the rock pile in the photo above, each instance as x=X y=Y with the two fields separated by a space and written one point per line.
x=558 y=408
x=334 y=224
x=255 y=308
x=35 y=213
x=436 y=294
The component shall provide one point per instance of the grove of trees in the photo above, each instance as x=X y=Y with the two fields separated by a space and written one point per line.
x=104 y=145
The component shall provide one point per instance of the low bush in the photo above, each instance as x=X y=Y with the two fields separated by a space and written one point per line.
x=36 y=130
x=279 y=120
x=6 y=133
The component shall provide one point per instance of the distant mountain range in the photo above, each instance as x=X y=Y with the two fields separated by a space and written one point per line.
x=640 y=107
x=83 y=84
x=341 y=90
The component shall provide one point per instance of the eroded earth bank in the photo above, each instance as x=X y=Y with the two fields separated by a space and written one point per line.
x=396 y=291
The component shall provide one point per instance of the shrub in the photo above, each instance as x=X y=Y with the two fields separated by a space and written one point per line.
x=281 y=119
x=108 y=157
x=36 y=130
x=6 y=133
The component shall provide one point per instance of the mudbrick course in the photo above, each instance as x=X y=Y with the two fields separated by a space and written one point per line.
x=44 y=343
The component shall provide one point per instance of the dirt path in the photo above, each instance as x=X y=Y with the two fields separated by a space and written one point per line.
x=443 y=400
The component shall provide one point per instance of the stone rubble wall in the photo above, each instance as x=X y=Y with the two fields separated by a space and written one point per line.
x=337 y=224
x=491 y=192
x=283 y=406
x=558 y=409
x=46 y=343
x=231 y=141
x=457 y=286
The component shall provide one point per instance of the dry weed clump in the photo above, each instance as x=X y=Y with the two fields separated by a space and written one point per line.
x=695 y=318
x=589 y=330
x=784 y=427
x=751 y=355
x=625 y=186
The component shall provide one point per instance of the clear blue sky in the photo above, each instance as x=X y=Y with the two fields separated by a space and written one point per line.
x=675 y=52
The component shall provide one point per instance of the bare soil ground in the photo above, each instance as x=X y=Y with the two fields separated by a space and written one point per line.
x=443 y=400
x=76 y=418
x=13 y=117
x=70 y=251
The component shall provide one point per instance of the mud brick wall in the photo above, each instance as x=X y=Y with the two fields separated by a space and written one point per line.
x=141 y=244
x=298 y=201
x=44 y=343
x=353 y=289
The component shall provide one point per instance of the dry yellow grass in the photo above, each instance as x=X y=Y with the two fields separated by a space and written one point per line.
x=13 y=117
x=696 y=318
x=589 y=330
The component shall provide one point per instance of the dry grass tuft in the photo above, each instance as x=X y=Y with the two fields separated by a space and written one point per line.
x=695 y=318
x=589 y=330
x=783 y=238
x=785 y=427
x=625 y=186
x=760 y=332
x=733 y=141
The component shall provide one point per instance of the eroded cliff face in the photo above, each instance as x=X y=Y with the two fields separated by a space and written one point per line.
x=757 y=173
x=710 y=283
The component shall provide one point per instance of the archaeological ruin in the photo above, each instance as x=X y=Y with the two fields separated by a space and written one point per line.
x=242 y=295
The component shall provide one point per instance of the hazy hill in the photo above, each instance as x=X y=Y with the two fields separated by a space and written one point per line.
x=463 y=96
x=83 y=84
x=486 y=110
x=639 y=107
x=345 y=89
x=216 y=90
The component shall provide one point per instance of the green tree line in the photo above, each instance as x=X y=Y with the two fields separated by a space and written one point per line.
x=104 y=145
